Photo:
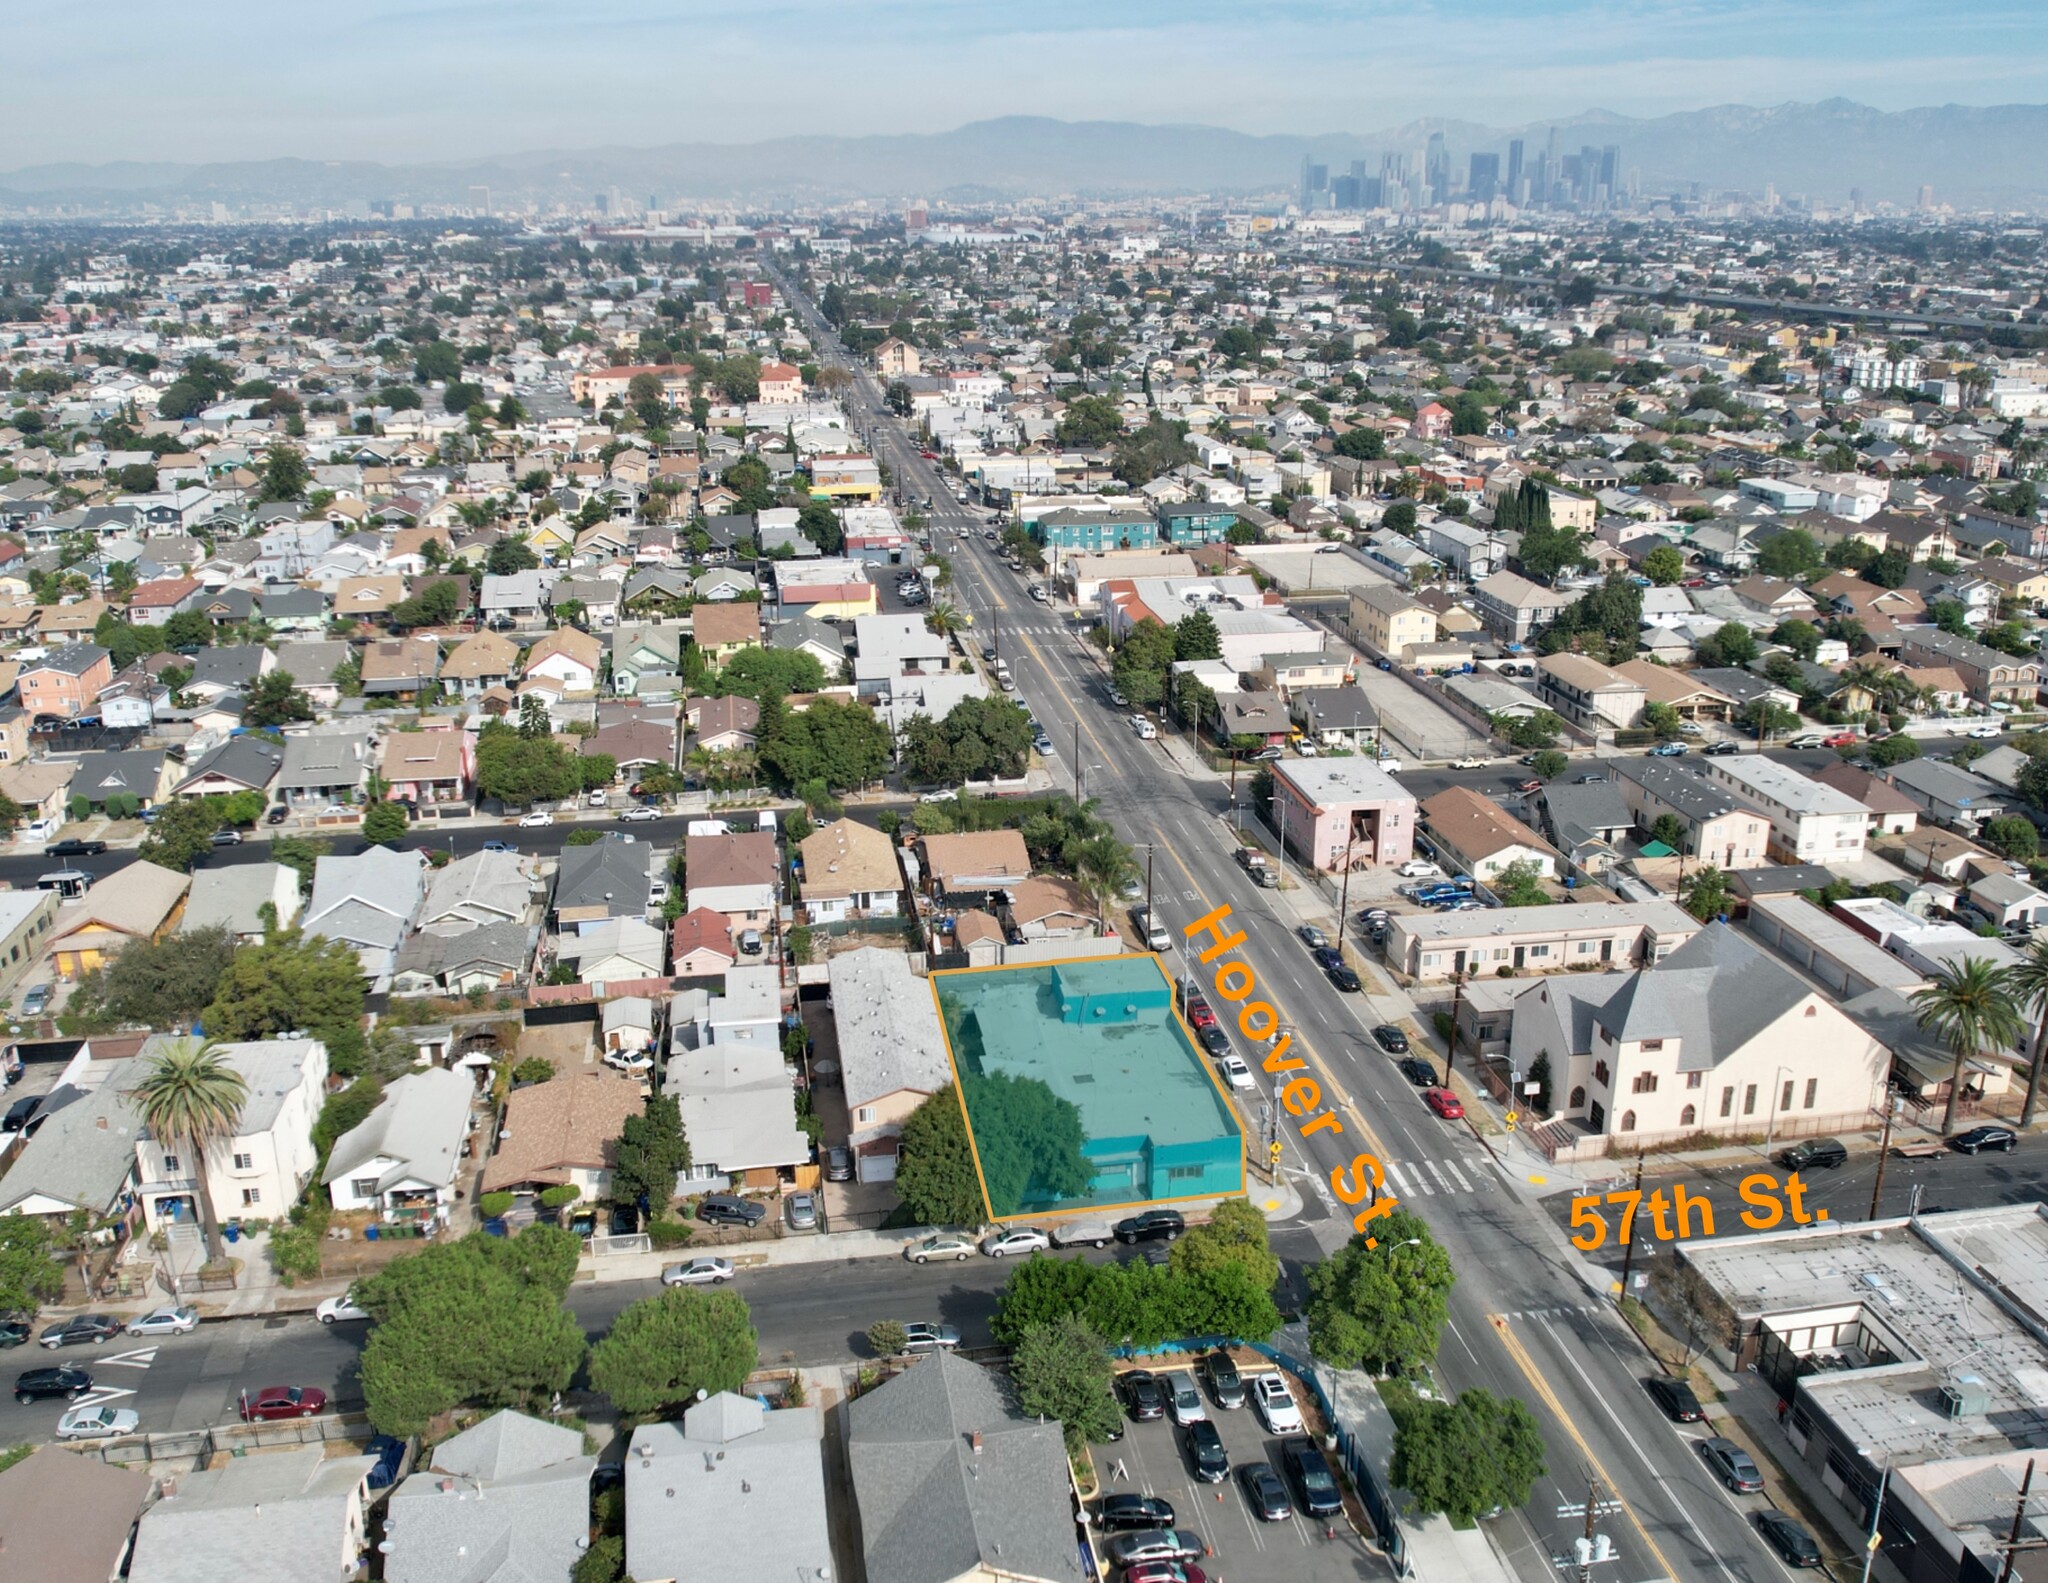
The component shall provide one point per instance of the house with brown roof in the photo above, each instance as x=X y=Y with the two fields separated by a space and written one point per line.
x=849 y=871
x=407 y=555
x=399 y=667
x=722 y=630
x=62 y=623
x=972 y=867
x=367 y=598
x=1692 y=698
x=562 y=1131
x=1892 y=812
x=154 y=603
x=700 y=945
x=734 y=875
x=1478 y=835
x=429 y=766
x=724 y=723
x=98 y=1503
x=1775 y=597
x=641 y=743
x=139 y=902
x=1049 y=907
x=478 y=663
x=38 y=786
x=567 y=657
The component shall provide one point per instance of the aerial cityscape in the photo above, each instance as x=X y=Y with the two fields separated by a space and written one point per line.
x=995 y=815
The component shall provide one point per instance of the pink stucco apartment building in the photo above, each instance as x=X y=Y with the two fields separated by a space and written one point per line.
x=1340 y=813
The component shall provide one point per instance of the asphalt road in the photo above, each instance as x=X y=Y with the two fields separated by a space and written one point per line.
x=1564 y=1351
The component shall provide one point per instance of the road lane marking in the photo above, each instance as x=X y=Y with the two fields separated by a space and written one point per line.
x=142 y=1358
x=1457 y=1175
x=99 y=1396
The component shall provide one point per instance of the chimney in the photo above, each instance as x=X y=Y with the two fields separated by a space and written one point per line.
x=100 y=1122
x=974 y=1440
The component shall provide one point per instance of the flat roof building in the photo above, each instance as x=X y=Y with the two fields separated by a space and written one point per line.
x=1343 y=813
x=1434 y=946
x=1810 y=822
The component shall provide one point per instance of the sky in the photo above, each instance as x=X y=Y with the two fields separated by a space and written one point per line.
x=460 y=79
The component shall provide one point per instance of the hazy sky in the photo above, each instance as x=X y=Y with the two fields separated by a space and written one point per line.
x=390 y=81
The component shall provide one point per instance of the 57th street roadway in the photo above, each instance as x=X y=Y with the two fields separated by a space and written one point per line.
x=1523 y=1321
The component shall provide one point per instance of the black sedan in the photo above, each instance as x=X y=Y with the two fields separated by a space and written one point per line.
x=1144 y=1397
x=1390 y=1039
x=1344 y=978
x=1327 y=957
x=1420 y=1073
x=1215 y=1040
x=85 y=1328
x=1790 y=1539
x=1978 y=1139
x=74 y=848
x=15 y=1332
x=1129 y=1512
x=1154 y=1225
x=68 y=1383
x=1226 y=1385
x=1265 y=1493
x=1676 y=1398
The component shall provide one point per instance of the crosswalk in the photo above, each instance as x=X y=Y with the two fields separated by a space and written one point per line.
x=1581 y=1311
x=1428 y=1178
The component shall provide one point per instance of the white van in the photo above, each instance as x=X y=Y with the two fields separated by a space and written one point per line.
x=707 y=827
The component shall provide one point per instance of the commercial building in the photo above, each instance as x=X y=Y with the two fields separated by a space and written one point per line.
x=1431 y=947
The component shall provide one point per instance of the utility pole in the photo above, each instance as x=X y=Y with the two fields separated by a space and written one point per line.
x=1077 y=759
x=1451 y=1044
x=1876 y=1514
x=1344 y=894
x=1592 y=1505
x=1148 y=882
x=1628 y=1254
x=1884 y=1149
x=2019 y=1517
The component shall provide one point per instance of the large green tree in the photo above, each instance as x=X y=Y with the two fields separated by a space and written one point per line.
x=979 y=739
x=935 y=1179
x=1029 y=1140
x=650 y=1150
x=181 y=835
x=1664 y=565
x=191 y=1099
x=292 y=981
x=843 y=745
x=1136 y=1304
x=1234 y=1235
x=1062 y=1371
x=1195 y=637
x=163 y=983
x=1143 y=661
x=30 y=1275
x=520 y=768
x=479 y=1322
x=276 y=700
x=663 y=1350
x=761 y=673
x=1465 y=1458
x=1382 y=1308
x=285 y=473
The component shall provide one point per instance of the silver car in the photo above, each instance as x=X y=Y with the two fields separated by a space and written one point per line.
x=1186 y=1400
x=165 y=1322
x=1017 y=1239
x=96 y=1423
x=698 y=1272
x=940 y=1245
x=802 y=1210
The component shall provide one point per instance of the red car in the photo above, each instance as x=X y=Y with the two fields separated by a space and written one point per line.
x=283 y=1401
x=1841 y=739
x=1165 y=1572
x=1528 y=786
x=1444 y=1103
x=1199 y=1014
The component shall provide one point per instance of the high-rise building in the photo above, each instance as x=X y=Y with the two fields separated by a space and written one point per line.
x=1482 y=183
x=601 y=202
x=1924 y=199
x=1436 y=169
x=1514 y=181
x=1315 y=184
x=1610 y=172
x=1344 y=192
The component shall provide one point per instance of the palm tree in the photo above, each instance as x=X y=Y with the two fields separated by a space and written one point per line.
x=2028 y=985
x=192 y=1097
x=1969 y=1008
x=1104 y=866
x=944 y=619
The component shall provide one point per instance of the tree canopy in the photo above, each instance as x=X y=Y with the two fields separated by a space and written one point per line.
x=663 y=1350
x=1029 y=1140
x=936 y=1179
x=1062 y=1371
x=842 y=745
x=651 y=1149
x=1135 y=1304
x=163 y=983
x=294 y=981
x=1383 y=1308
x=30 y=1275
x=979 y=739
x=1466 y=1457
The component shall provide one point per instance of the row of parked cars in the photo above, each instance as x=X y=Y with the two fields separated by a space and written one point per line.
x=1152 y=1225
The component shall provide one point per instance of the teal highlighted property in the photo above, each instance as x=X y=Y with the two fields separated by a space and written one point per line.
x=1083 y=1090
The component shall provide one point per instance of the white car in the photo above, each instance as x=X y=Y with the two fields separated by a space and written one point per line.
x=599 y=798
x=1186 y=1400
x=1083 y=1234
x=1418 y=868
x=632 y=1062
x=165 y=1322
x=1468 y=763
x=949 y=794
x=640 y=815
x=1988 y=733
x=1017 y=1239
x=1235 y=1072
x=1276 y=1404
x=536 y=821
x=1305 y=748
x=940 y=1245
x=339 y=1308
x=96 y=1423
x=698 y=1272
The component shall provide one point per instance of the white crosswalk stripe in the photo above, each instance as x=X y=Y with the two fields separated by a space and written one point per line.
x=1397 y=1182
x=1427 y=1178
x=1457 y=1176
x=1439 y=1175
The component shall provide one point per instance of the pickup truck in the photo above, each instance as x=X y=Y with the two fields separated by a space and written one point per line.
x=1254 y=863
x=1469 y=762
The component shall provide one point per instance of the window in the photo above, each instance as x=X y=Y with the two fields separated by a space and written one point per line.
x=170 y=1164
x=1695 y=1079
x=364 y=1187
x=1649 y=1045
x=1687 y=1116
x=1600 y=1073
x=1578 y=1099
x=1628 y=1121
x=1184 y=1173
x=1785 y=1097
x=1539 y=950
x=245 y=1162
x=1585 y=948
x=1645 y=1083
x=865 y=1113
x=250 y=1196
x=1812 y=1092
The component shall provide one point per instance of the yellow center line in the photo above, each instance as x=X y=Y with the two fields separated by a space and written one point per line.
x=1512 y=1345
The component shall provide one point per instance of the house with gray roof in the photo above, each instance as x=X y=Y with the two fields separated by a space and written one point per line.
x=216 y=671
x=1586 y=823
x=82 y=1156
x=725 y=1070
x=490 y=955
x=892 y=1051
x=505 y=1502
x=287 y=1516
x=405 y=1157
x=480 y=888
x=247 y=763
x=953 y=1482
x=312 y=663
x=734 y=1492
x=234 y=897
x=606 y=879
x=1956 y=797
x=1337 y=716
x=814 y=636
x=322 y=767
x=134 y=772
x=370 y=901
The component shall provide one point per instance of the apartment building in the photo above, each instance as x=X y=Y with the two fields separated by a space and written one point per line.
x=1389 y=622
x=1810 y=822
x=1988 y=675
x=1588 y=693
x=1433 y=947
x=1720 y=828
x=1342 y=813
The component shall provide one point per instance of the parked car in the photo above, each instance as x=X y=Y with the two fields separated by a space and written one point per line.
x=1206 y=1456
x=1344 y=978
x=1275 y=1403
x=956 y=1245
x=278 y=814
x=1268 y=755
x=1082 y=1233
x=15 y=1330
x=1795 y=1546
x=165 y=1322
x=1841 y=739
x=724 y=1209
x=1199 y=1013
x=1155 y=1544
x=1313 y=1480
x=1186 y=1401
x=1144 y=1397
x=283 y=1401
x=1390 y=1039
x=698 y=1272
x=1215 y=1040
x=1327 y=957
x=640 y=815
x=74 y=848
x=1312 y=937
x=1226 y=1385
x=1723 y=749
x=1265 y=1493
x=336 y=1310
x=1814 y=1154
x=500 y=846
x=1234 y=1071
x=1469 y=762
x=839 y=1163
x=922 y=1337
x=536 y=821
x=1676 y=1398
x=1153 y=1225
x=1732 y=1465
x=1529 y=787
x=1668 y=750
x=1988 y=733
x=37 y=1000
x=1130 y=1512
x=1417 y=868
x=1015 y=1240
x=801 y=1211
x=225 y=838
x=93 y=1328
x=1444 y=1103
x=1989 y=1136
x=34 y=1384
x=97 y=1423
x=1420 y=1073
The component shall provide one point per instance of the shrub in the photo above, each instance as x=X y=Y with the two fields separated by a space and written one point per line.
x=886 y=1338
x=560 y=1197
x=670 y=1233
x=534 y=1069
x=493 y=1205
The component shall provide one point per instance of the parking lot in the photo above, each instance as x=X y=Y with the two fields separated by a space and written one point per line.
x=1151 y=1459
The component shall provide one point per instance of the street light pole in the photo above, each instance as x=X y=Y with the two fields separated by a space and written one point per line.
x=1077 y=759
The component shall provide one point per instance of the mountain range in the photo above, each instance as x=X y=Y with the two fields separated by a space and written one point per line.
x=1972 y=156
